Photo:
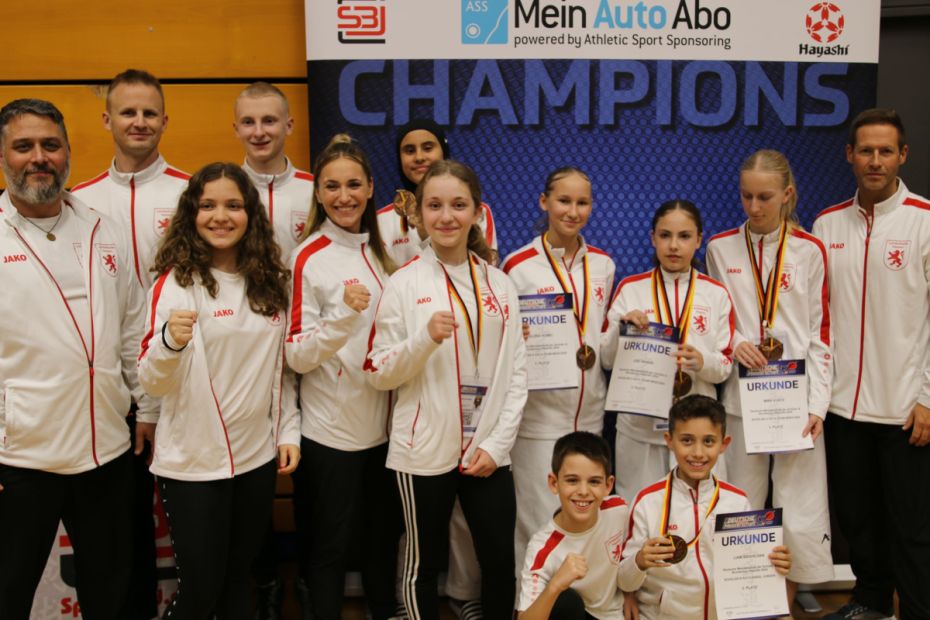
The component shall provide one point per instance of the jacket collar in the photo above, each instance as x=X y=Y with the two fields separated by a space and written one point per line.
x=559 y=253
x=145 y=175
x=12 y=217
x=342 y=237
x=262 y=181
x=890 y=204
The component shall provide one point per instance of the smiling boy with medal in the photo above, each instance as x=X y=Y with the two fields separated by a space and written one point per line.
x=560 y=261
x=674 y=293
x=668 y=557
x=776 y=275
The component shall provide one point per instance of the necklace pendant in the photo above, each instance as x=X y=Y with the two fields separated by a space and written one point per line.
x=50 y=236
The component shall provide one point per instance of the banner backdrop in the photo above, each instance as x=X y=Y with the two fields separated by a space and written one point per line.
x=654 y=99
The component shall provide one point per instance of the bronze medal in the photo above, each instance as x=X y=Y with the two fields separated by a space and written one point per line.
x=772 y=349
x=403 y=201
x=585 y=357
x=682 y=384
x=478 y=400
x=681 y=549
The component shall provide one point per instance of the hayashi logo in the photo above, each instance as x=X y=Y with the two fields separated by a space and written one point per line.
x=361 y=21
x=484 y=22
x=824 y=22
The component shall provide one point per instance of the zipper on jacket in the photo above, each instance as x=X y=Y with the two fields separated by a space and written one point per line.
x=865 y=277
x=697 y=550
x=371 y=269
x=132 y=225
x=271 y=202
x=88 y=353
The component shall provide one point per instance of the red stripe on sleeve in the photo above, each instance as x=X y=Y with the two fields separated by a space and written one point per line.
x=554 y=539
x=518 y=258
x=297 y=301
x=838 y=207
x=96 y=179
x=156 y=294
x=178 y=174
x=306 y=176
x=612 y=502
x=824 y=288
x=489 y=218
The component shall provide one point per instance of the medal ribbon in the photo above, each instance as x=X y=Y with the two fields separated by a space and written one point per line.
x=767 y=294
x=474 y=332
x=667 y=507
x=683 y=320
x=581 y=320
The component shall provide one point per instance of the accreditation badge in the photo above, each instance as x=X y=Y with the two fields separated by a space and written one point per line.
x=472 y=395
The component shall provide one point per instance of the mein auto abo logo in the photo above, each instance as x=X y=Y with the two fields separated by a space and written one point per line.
x=484 y=22
x=824 y=23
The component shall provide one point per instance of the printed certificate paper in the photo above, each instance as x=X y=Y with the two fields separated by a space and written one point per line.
x=774 y=405
x=644 y=370
x=550 y=349
x=745 y=582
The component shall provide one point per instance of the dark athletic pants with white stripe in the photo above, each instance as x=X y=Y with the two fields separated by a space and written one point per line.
x=880 y=492
x=95 y=510
x=490 y=509
x=216 y=531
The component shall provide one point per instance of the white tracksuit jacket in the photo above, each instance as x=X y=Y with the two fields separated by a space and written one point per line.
x=879 y=273
x=601 y=547
x=403 y=243
x=216 y=424
x=65 y=404
x=686 y=589
x=802 y=321
x=427 y=429
x=143 y=203
x=711 y=332
x=287 y=198
x=327 y=340
x=549 y=414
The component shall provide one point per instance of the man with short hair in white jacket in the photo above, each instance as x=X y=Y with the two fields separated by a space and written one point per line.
x=68 y=377
x=878 y=425
x=140 y=193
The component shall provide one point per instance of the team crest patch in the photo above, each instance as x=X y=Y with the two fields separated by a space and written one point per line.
x=788 y=274
x=298 y=224
x=614 y=547
x=489 y=305
x=599 y=291
x=897 y=253
x=161 y=219
x=275 y=319
x=107 y=254
x=700 y=319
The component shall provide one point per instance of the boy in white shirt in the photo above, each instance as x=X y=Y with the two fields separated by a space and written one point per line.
x=668 y=559
x=571 y=566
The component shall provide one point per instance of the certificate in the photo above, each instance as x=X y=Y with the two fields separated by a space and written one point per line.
x=745 y=582
x=553 y=341
x=773 y=400
x=644 y=370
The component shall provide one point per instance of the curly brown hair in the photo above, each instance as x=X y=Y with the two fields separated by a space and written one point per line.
x=259 y=255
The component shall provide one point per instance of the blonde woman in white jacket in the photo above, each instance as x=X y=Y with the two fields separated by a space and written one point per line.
x=339 y=271
x=214 y=353
x=447 y=338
